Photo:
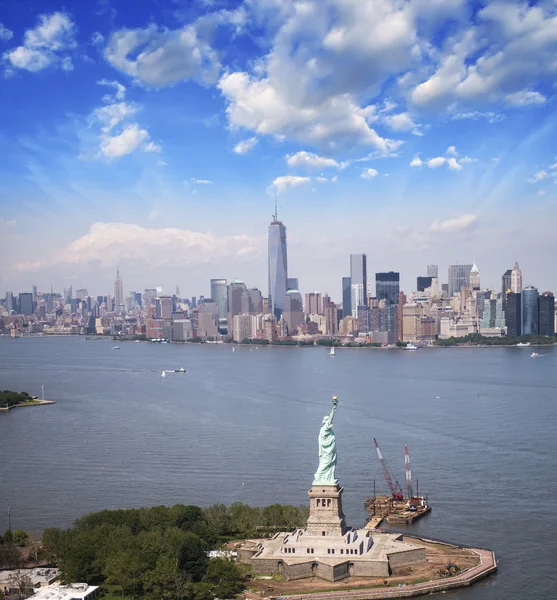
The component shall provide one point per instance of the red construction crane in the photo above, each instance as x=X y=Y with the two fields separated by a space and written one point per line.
x=408 y=474
x=395 y=488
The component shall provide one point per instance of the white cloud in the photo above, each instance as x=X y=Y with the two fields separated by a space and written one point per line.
x=45 y=45
x=455 y=164
x=369 y=173
x=5 y=33
x=111 y=115
x=120 y=89
x=200 y=181
x=106 y=243
x=456 y=225
x=310 y=161
x=256 y=105
x=401 y=122
x=525 y=98
x=286 y=181
x=161 y=57
x=475 y=115
x=97 y=38
x=152 y=147
x=321 y=179
x=131 y=138
x=245 y=146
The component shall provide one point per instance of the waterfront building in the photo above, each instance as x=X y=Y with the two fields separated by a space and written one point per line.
x=346 y=295
x=358 y=282
x=219 y=293
x=181 y=330
x=546 y=314
x=251 y=302
x=492 y=316
x=243 y=327
x=474 y=277
x=506 y=286
x=427 y=329
x=313 y=304
x=118 y=293
x=363 y=325
x=387 y=286
x=423 y=283
x=391 y=314
x=320 y=321
x=26 y=306
x=292 y=283
x=9 y=302
x=410 y=315
x=205 y=323
x=513 y=314
x=530 y=310
x=269 y=328
x=516 y=279
x=458 y=276
x=282 y=328
x=401 y=303
x=331 y=316
x=278 y=266
x=347 y=326
x=293 y=310
x=433 y=271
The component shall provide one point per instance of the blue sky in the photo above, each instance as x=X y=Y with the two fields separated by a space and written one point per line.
x=156 y=135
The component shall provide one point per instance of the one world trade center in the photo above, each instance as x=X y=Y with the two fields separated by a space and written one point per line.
x=278 y=266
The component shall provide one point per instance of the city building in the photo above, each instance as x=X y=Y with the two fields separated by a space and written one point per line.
x=546 y=314
x=433 y=271
x=292 y=283
x=530 y=310
x=251 y=302
x=235 y=292
x=181 y=330
x=118 y=293
x=219 y=293
x=410 y=316
x=474 y=277
x=331 y=316
x=293 y=310
x=423 y=283
x=458 y=276
x=513 y=314
x=163 y=306
x=346 y=295
x=492 y=317
x=506 y=286
x=313 y=304
x=9 y=302
x=358 y=282
x=26 y=306
x=516 y=279
x=243 y=327
x=278 y=266
x=387 y=286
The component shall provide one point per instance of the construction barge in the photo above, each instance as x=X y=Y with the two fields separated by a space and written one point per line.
x=395 y=509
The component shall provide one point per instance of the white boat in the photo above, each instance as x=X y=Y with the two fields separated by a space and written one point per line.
x=410 y=346
x=233 y=349
x=163 y=374
x=116 y=347
x=332 y=352
x=180 y=370
x=534 y=355
x=523 y=344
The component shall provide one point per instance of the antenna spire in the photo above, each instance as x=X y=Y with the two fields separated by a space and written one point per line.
x=275 y=215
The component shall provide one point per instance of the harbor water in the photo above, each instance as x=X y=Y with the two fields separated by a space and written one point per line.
x=480 y=424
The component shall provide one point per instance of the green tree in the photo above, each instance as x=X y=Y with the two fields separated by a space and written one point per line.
x=218 y=519
x=192 y=556
x=21 y=538
x=225 y=576
x=52 y=540
x=126 y=568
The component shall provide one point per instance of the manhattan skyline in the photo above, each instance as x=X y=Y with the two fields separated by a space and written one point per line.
x=162 y=135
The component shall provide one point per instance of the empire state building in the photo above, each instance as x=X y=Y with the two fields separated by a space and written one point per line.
x=118 y=293
x=278 y=266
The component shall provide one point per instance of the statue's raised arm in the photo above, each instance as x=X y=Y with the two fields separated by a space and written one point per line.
x=325 y=474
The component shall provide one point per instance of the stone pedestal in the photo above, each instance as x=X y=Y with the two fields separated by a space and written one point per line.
x=325 y=511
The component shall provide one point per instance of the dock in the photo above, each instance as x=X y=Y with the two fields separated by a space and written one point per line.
x=31 y=403
x=384 y=508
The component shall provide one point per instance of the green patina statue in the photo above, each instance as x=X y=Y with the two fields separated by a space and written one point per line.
x=325 y=474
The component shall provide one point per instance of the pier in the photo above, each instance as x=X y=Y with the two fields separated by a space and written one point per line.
x=30 y=403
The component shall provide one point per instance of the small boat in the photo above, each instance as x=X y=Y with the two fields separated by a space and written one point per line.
x=410 y=346
x=116 y=347
x=163 y=374
x=233 y=349
x=180 y=370
x=332 y=352
x=534 y=355
x=523 y=344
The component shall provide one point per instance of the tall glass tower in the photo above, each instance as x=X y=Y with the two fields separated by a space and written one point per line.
x=219 y=293
x=278 y=266
x=358 y=281
x=530 y=310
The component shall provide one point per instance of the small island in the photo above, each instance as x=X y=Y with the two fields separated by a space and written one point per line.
x=9 y=400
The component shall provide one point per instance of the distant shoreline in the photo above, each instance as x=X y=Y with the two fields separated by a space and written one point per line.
x=31 y=403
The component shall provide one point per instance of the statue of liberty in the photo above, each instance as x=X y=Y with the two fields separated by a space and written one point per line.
x=325 y=474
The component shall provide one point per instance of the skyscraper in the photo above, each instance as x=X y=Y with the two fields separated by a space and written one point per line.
x=293 y=310
x=346 y=295
x=530 y=310
x=387 y=286
x=459 y=275
x=546 y=314
x=118 y=292
x=251 y=302
x=219 y=293
x=358 y=282
x=292 y=283
x=505 y=286
x=313 y=303
x=433 y=271
x=513 y=314
x=9 y=302
x=278 y=266
x=516 y=279
x=474 y=277
x=235 y=291
x=422 y=283
x=26 y=303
